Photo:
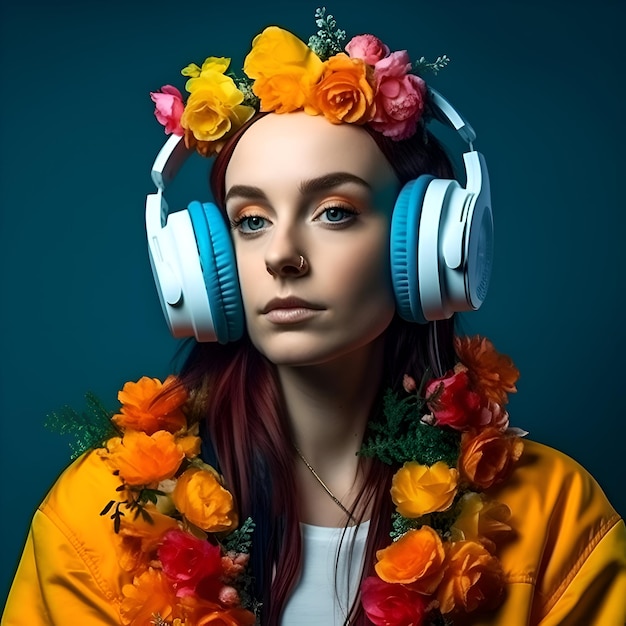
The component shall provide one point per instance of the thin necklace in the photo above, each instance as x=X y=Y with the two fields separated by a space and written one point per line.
x=321 y=482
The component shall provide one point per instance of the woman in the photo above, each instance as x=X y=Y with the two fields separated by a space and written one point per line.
x=488 y=529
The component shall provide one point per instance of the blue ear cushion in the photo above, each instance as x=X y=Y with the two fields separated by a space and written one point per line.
x=219 y=270
x=403 y=248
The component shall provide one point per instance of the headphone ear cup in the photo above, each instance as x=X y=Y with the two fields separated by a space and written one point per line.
x=405 y=223
x=219 y=270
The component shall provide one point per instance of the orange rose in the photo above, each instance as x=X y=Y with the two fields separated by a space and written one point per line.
x=200 y=497
x=284 y=69
x=493 y=375
x=150 y=594
x=481 y=520
x=416 y=558
x=150 y=405
x=344 y=93
x=142 y=459
x=473 y=579
x=418 y=489
x=487 y=457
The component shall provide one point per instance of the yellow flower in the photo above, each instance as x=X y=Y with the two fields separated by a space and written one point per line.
x=284 y=69
x=214 y=107
x=200 y=497
x=416 y=559
x=419 y=489
x=481 y=520
x=211 y=64
x=344 y=93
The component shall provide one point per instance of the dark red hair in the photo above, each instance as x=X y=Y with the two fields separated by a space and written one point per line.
x=236 y=396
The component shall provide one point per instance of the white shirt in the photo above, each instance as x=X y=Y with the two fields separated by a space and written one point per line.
x=328 y=585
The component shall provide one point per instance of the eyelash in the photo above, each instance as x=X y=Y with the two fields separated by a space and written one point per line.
x=348 y=217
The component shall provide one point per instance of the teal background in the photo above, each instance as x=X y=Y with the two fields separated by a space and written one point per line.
x=542 y=84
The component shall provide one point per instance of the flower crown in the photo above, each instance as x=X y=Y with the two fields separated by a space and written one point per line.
x=365 y=84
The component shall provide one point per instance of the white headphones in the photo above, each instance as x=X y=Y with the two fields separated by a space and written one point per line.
x=441 y=246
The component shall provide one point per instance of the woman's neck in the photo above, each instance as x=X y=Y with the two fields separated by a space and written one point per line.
x=328 y=407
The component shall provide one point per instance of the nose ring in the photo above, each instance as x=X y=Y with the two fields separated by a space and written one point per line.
x=301 y=262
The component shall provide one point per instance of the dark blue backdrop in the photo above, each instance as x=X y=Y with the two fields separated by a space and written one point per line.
x=541 y=83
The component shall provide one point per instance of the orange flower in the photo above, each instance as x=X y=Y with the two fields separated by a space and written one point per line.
x=150 y=405
x=200 y=497
x=472 y=579
x=149 y=595
x=344 y=93
x=493 y=375
x=481 y=520
x=284 y=69
x=140 y=539
x=416 y=558
x=141 y=459
x=418 y=489
x=488 y=456
x=201 y=612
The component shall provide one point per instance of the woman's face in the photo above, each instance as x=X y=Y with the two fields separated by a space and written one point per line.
x=310 y=206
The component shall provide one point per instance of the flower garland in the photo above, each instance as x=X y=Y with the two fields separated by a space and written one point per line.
x=452 y=437
x=179 y=541
x=178 y=528
x=361 y=83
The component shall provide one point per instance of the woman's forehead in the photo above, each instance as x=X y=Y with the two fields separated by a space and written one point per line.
x=297 y=146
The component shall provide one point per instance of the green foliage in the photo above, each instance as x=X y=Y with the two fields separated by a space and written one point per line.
x=240 y=540
x=423 y=65
x=327 y=41
x=244 y=84
x=401 y=435
x=90 y=428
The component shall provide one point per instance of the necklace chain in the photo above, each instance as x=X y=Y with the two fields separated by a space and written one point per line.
x=321 y=482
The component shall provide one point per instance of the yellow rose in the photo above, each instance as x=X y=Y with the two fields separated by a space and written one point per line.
x=211 y=64
x=284 y=69
x=419 y=489
x=200 y=497
x=214 y=107
x=344 y=93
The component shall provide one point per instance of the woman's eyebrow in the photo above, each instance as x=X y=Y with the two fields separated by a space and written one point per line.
x=245 y=191
x=329 y=181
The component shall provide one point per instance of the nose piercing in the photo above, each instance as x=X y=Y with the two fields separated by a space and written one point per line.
x=301 y=262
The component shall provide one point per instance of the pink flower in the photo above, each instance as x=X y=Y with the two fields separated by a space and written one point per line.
x=228 y=596
x=399 y=96
x=452 y=402
x=409 y=384
x=494 y=415
x=392 y=604
x=187 y=561
x=368 y=48
x=234 y=564
x=169 y=109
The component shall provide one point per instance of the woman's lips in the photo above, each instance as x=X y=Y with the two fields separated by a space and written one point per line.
x=290 y=310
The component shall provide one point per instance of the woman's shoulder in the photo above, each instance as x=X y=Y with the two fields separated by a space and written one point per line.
x=566 y=532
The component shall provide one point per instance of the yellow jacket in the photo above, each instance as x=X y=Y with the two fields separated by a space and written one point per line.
x=567 y=564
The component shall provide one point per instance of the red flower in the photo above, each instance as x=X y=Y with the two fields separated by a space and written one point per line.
x=392 y=604
x=451 y=400
x=188 y=561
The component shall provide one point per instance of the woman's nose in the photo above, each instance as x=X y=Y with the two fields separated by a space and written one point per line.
x=283 y=256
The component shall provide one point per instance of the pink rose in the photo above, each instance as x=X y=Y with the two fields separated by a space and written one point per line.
x=169 y=109
x=188 y=561
x=392 y=604
x=452 y=402
x=399 y=96
x=368 y=48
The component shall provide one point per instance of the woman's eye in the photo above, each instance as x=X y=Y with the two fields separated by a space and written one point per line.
x=250 y=224
x=336 y=215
